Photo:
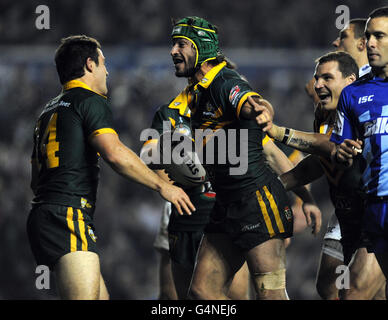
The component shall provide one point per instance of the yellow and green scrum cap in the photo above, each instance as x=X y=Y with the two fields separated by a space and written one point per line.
x=202 y=34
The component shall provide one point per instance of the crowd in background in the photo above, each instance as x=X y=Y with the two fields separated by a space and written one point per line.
x=135 y=39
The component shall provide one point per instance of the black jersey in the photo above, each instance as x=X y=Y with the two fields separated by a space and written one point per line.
x=217 y=102
x=67 y=163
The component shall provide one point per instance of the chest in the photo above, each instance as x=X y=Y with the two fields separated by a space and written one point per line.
x=209 y=111
x=371 y=111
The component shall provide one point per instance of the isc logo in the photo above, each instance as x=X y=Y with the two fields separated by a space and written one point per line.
x=365 y=99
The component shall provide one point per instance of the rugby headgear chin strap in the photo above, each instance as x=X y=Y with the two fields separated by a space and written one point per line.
x=202 y=34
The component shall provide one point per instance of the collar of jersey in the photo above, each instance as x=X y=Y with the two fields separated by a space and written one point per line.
x=181 y=102
x=209 y=77
x=78 y=84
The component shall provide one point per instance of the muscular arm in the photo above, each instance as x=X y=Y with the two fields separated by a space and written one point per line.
x=279 y=162
x=305 y=172
x=125 y=162
x=310 y=142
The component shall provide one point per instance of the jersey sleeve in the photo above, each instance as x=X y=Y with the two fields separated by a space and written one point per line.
x=235 y=92
x=97 y=116
x=161 y=115
x=343 y=127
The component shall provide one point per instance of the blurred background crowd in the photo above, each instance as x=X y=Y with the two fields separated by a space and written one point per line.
x=274 y=43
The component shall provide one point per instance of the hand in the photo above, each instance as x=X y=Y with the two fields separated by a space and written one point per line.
x=346 y=151
x=177 y=197
x=313 y=216
x=264 y=112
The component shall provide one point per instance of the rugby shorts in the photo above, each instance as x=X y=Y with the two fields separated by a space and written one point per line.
x=375 y=225
x=257 y=217
x=184 y=247
x=55 y=230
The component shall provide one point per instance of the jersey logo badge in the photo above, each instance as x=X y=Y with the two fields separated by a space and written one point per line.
x=85 y=203
x=233 y=93
x=365 y=99
x=91 y=234
x=288 y=213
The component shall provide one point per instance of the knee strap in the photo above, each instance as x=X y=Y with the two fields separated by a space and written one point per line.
x=274 y=280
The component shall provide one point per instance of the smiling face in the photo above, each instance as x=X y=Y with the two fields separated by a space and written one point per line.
x=377 y=43
x=329 y=83
x=183 y=55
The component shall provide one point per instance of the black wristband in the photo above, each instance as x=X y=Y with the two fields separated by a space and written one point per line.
x=286 y=136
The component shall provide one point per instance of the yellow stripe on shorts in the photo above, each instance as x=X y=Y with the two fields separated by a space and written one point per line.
x=275 y=210
x=81 y=225
x=264 y=211
x=70 y=224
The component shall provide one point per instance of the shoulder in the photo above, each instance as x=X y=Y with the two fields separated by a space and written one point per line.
x=227 y=75
x=364 y=81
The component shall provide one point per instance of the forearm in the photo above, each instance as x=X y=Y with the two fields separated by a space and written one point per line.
x=125 y=162
x=305 y=172
x=276 y=158
x=310 y=142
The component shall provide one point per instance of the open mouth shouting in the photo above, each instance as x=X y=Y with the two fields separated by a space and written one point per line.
x=178 y=61
x=325 y=97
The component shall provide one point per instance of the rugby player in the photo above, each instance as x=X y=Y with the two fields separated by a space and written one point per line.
x=251 y=216
x=72 y=132
x=360 y=127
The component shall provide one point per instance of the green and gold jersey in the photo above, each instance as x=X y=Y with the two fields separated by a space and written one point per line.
x=179 y=113
x=67 y=163
x=344 y=184
x=216 y=105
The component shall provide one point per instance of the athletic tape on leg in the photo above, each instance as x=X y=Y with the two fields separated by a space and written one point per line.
x=274 y=280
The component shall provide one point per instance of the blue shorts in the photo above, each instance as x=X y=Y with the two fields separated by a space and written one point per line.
x=376 y=225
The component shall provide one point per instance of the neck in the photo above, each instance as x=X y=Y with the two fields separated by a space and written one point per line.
x=88 y=81
x=362 y=60
x=205 y=68
x=381 y=72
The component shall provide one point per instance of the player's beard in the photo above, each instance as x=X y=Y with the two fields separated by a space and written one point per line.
x=189 y=69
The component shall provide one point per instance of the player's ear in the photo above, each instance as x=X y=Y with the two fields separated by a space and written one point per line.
x=361 y=44
x=351 y=78
x=89 y=64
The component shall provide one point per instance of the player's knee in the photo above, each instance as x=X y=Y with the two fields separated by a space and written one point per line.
x=198 y=292
x=271 y=285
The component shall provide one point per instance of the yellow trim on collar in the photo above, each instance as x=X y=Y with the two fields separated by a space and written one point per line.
x=181 y=103
x=209 y=77
x=79 y=84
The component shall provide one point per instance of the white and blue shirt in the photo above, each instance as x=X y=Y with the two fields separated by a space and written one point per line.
x=362 y=113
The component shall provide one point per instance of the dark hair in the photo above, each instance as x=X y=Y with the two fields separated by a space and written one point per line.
x=359 y=27
x=71 y=56
x=379 y=12
x=346 y=64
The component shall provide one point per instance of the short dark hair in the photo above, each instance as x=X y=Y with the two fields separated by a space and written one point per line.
x=379 y=12
x=346 y=64
x=71 y=56
x=359 y=27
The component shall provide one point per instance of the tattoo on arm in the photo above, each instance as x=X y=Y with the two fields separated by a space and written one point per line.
x=300 y=143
